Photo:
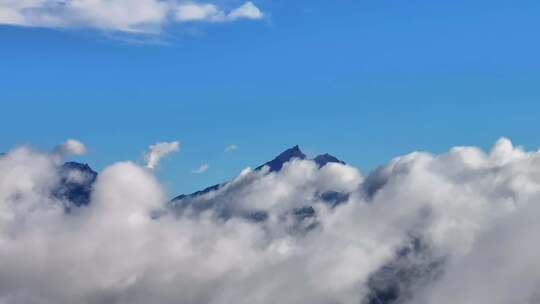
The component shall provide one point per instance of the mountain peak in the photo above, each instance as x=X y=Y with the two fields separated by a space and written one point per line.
x=76 y=183
x=277 y=163
x=323 y=159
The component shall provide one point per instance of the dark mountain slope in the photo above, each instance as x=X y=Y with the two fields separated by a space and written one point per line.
x=76 y=181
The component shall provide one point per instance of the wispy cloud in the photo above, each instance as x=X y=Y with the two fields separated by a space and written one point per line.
x=159 y=150
x=132 y=16
x=201 y=169
x=231 y=148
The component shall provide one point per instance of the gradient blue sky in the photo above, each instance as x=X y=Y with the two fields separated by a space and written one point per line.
x=362 y=80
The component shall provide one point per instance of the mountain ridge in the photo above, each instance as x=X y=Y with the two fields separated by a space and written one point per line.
x=78 y=191
x=274 y=165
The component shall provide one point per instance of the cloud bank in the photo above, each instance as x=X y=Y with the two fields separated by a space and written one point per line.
x=134 y=16
x=459 y=227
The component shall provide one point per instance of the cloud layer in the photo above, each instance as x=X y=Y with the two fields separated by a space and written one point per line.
x=458 y=227
x=136 y=16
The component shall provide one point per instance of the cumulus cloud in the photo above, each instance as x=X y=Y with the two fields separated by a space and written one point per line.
x=71 y=147
x=458 y=227
x=117 y=15
x=201 y=169
x=158 y=151
x=231 y=148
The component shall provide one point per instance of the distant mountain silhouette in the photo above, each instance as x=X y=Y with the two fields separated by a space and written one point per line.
x=323 y=159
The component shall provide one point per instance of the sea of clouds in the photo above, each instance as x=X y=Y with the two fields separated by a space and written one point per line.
x=459 y=227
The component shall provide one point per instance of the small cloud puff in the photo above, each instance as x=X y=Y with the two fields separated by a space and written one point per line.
x=71 y=147
x=231 y=148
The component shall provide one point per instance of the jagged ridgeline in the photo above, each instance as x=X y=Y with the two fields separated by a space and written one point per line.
x=220 y=202
x=77 y=179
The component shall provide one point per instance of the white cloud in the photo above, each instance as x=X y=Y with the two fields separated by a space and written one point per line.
x=246 y=11
x=136 y=16
x=231 y=148
x=474 y=212
x=71 y=147
x=201 y=169
x=199 y=12
x=211 y=13
x=159 y=150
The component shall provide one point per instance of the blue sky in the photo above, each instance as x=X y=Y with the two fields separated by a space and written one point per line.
x=362 y=80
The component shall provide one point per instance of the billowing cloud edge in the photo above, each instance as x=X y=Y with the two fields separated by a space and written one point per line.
x=462 y=221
